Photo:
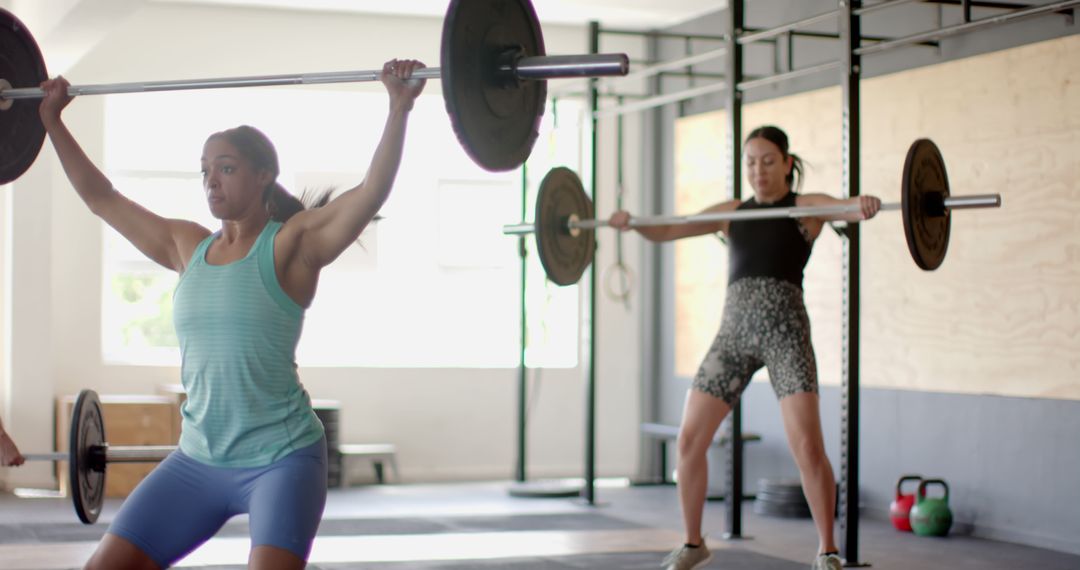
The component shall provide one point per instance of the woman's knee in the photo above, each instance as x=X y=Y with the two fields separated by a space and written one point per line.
x=115 y=553
x=693 y=443
x=274 y=557
x=809 y=453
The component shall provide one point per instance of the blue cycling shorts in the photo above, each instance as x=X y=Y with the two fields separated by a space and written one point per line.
x=183 y=503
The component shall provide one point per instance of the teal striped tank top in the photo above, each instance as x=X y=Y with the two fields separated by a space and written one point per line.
x=238 y=332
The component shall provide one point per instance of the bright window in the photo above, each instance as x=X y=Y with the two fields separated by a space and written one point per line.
x=434 y=284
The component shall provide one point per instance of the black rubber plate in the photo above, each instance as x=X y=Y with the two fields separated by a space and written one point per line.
x=563 y=255
x=21 y=65
x=924 y=189
x=87 y=436
x=496 y=118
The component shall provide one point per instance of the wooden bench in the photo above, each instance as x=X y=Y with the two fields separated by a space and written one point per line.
x=667 y=433
x=378 y=453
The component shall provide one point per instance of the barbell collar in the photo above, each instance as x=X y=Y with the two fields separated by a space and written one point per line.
x=536 y=67
x=950 y=203
x=5 y=104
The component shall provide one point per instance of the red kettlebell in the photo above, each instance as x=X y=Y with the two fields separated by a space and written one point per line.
x=900 y=508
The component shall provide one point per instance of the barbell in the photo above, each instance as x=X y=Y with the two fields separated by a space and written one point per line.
x=493 y=72
x=565 y=242
x=88 y=454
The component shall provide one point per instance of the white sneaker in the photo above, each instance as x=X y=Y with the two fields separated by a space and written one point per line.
x=827 y=562
x=686 y=558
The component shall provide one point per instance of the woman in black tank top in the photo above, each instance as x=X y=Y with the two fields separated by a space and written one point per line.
x=764 y=324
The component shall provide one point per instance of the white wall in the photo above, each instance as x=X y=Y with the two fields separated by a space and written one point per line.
x=447 y=423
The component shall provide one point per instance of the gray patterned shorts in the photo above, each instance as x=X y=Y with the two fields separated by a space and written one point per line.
x=764 y=324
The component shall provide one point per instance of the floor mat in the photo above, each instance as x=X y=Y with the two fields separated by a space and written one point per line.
x=75 y=532
x=725 y=559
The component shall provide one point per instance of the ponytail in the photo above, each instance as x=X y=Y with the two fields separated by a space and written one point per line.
x=794 y=178
x=281 y=205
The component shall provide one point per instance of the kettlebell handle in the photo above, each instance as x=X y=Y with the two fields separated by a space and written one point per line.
x=926 y=483
x=905 y=479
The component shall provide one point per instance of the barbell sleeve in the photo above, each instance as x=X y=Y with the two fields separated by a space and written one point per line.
x=973 y=201
x=950 y=203
x=519 y=229
x=535 y=67
x=570 y=66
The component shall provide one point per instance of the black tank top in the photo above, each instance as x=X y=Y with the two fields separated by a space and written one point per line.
x=776 y=247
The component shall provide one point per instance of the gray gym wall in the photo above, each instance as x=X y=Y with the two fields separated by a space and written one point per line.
x=1012 y=463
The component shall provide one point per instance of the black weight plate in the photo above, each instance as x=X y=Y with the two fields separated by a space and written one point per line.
x=772 y=484
x=926 y=221
x=87 y=472
x=563 y=255
x=495 y=116
x=21 y=131
x=783 y=496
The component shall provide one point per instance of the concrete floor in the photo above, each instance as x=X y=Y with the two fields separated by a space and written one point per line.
x=630 y=527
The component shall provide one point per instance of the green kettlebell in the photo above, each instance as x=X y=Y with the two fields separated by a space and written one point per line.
x=931 y=516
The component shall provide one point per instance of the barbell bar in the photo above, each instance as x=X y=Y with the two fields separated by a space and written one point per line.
x=113 y=454
x=493 y=70
x=564 y=221
x=536 y=67
x=88 y=456
x=573 y=224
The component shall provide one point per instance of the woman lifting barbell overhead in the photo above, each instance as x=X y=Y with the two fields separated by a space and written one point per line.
x=764 y=323
x=250 y=441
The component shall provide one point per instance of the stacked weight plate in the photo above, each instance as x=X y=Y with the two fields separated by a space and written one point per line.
x=781 y=498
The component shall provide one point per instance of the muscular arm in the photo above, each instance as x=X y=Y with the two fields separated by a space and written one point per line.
x=167 y=242
x=324 y=233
